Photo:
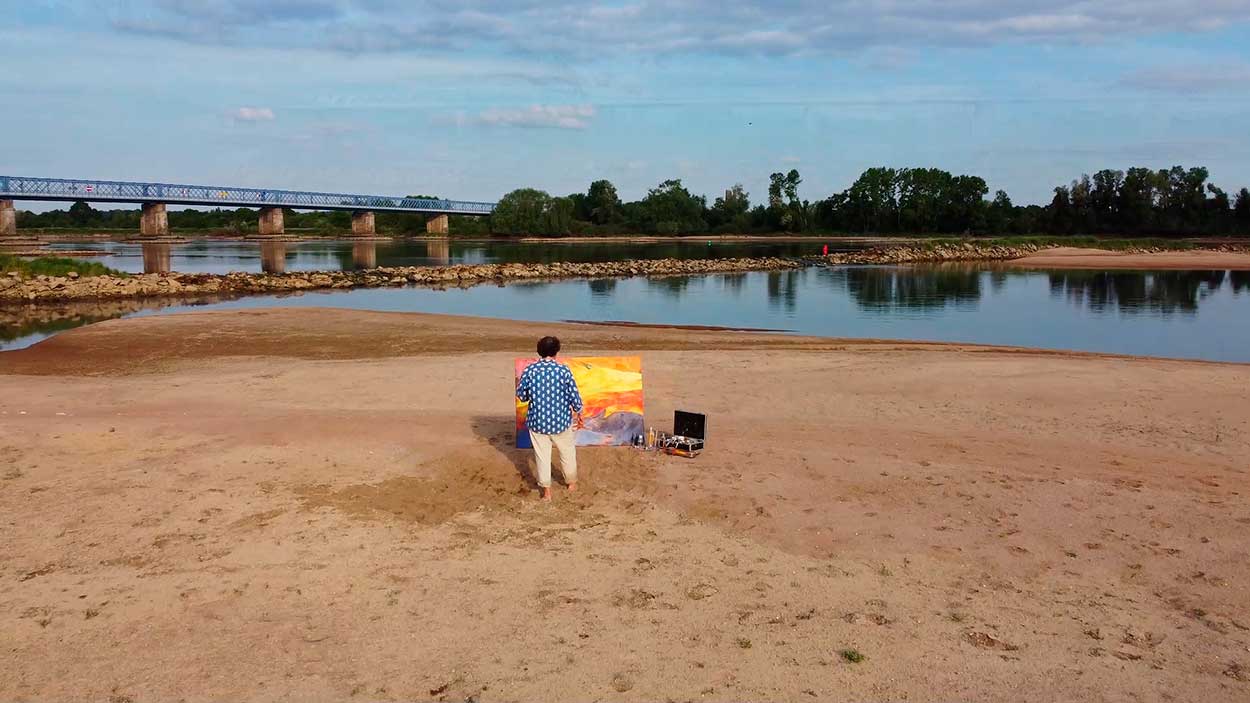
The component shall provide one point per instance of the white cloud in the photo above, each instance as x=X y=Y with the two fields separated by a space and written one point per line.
x=540 y=116
x=253 y=114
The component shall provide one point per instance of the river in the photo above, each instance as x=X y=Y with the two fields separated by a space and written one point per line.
x=226 y=255
x=1183 y=314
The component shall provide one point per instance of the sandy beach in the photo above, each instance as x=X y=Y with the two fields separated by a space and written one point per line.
x=1081 y=258
x=313 y=504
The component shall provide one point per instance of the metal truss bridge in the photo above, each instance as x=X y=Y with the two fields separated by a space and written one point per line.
x=60 y=189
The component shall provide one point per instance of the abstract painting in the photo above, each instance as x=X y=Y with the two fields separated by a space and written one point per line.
x=611 y=389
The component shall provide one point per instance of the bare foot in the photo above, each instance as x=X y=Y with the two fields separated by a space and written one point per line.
x=546 y=494
x=572 y=486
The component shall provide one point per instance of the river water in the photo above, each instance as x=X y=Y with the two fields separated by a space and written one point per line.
x=1184 y=314
x=224 y=255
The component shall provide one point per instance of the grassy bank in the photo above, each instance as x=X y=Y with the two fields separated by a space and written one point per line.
x=53 y=266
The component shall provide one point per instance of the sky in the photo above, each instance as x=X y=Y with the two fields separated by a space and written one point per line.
x=471 y=99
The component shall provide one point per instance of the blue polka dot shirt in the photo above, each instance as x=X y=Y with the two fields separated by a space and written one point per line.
x=552 y=394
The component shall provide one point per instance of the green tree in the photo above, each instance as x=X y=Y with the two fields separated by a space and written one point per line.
x=602 y=202
x=872 y=200
x=559 y=216
x=731 y=210
x=1136 y=208
x=523 y=211
x=967 y=204
x=1219 y=215
x=1105 y=199
x=1059 y=214
x=82 y=214
x=1000 y=214
x=1241 y=211
x=671 y=209
x=788 y=212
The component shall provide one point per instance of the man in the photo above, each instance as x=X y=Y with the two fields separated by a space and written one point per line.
x=555 y=413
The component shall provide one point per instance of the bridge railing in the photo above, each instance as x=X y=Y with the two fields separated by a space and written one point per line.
x=20 y=187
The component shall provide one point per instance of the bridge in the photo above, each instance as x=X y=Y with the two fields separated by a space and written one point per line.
x=154 y=197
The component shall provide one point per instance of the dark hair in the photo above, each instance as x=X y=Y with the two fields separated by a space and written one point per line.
x=548 y=347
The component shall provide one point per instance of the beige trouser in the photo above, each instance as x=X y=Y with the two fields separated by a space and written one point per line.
x=542 y=453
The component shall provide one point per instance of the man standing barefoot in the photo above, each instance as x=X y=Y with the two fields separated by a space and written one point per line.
x=555 y=413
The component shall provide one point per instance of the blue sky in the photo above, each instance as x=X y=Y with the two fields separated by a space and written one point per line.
x=472 y=99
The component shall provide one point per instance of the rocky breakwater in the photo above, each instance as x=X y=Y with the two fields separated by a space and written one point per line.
x=958 y=251
x=15 y=289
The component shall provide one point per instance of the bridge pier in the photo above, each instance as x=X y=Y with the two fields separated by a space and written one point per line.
x=8 y=219
x=154 y=222
x=363 y=223
x=436 y=225
x=272 y=222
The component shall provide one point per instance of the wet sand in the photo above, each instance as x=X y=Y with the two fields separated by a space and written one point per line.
x=1078 y=258
x=323 y=504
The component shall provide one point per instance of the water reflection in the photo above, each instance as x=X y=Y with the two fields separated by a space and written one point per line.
x=783 y=289
x=226 y=255
x=601 y=288
x=273 y=257
x=29 y=323
x=732 y=282
x=365 y=255
x=156 y=257
x=438 y=251
x=1134 y=291
x=1239 y=280
x=911 y=288
x=671 y=286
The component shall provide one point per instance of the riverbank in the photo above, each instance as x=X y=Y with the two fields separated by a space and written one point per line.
x=326 y=503
x=17 y=288
x=1227 y=259
x=1045 y=254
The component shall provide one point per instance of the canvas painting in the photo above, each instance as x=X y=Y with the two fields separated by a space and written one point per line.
x=611 y=388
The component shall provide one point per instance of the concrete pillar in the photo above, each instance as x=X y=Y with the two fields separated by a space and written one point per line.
x=155 y=221
x=273 y=255
x=365 y=255
x=156 y=258
x=436 y=225
x=271 y=222
x=8 y=219
x=363 y=223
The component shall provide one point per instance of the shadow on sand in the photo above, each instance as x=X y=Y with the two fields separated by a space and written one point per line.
x=499 y=431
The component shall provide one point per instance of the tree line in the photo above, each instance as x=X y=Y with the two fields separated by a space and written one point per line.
x=911 y=201
x=883 y=201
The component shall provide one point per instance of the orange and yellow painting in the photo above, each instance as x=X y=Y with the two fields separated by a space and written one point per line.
x=611 y=388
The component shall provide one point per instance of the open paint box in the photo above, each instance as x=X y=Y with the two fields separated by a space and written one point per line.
x=689 y=433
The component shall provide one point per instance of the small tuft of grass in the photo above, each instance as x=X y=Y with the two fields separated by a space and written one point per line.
x=744 y=643
x=852 y=655
x=54 y=266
